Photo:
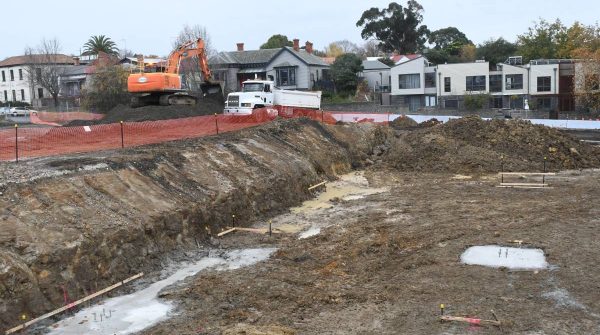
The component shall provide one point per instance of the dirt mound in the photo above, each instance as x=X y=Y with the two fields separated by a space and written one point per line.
x=154 y=113
x=473 y=145
x=430 y=123
x=403 y=122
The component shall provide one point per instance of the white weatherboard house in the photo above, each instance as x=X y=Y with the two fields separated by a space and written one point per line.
x=544 y=84
x=289 y=67
x=14 y=81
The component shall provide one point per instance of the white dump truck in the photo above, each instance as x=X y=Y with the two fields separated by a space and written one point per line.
x=263 y=93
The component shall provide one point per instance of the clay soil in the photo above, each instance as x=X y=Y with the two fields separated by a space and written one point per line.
x=388 y=261
x=381 y=264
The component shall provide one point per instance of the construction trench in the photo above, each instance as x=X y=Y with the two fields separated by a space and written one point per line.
x=375 y=250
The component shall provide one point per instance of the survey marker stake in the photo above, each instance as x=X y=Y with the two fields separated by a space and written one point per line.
x=317 y=185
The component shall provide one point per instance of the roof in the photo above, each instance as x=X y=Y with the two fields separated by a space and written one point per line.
x=307 y=57
x=76 y=70
x=262 y=56
x=374 y=65
x=284 y=64
x=44 y=59
x=398 y=58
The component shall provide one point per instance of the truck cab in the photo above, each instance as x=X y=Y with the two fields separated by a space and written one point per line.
x=254 y=94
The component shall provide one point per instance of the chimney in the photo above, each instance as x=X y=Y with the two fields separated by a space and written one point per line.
x=296 y=44
x=240 y=47
x=76 y=60
x=308 y=47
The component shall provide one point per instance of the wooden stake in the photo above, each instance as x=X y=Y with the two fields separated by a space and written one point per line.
x=315 y=186
x=472 y=321
x=73 y=304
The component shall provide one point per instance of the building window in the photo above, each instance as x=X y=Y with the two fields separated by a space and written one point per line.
x=544 y=84
x=496 y=101
x=38 y=74
x=22 y=95
x=451 y=103
x=286 y=76
x=430 y=80
x=475 y=83
x=14 y=95
x=20 y=74
x=514 y=81
x=430 y=101
x=12 y=75
x=5 y=95
x=3 y=76
x=408 y=81
x=447 y=86
x=495 y=83
x=544 y=103
x=40 y=93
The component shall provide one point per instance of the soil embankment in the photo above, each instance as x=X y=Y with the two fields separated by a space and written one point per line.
x=84 y=222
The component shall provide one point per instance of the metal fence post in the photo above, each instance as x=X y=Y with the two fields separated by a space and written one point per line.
x=16 y=143
x=216 y=123
x=122 y=136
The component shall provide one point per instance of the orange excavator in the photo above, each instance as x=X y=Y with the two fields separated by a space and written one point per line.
x=164 y=88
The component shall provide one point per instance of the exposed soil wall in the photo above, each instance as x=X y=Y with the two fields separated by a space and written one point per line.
x=87 y=221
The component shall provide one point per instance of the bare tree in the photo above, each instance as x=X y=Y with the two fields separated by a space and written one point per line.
x=44 y=66
x=338 y=48
x=190 y=68
x=370 y=49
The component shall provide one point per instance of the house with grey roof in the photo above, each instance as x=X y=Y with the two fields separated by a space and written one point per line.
x=290 y=67
x=377 y=75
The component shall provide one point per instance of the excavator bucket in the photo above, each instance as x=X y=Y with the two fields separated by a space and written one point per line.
x=212 y=91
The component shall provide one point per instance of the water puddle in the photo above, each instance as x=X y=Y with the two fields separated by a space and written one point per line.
x=513 y=258
x=352 y=186
x=312 y=231
x=134 y=312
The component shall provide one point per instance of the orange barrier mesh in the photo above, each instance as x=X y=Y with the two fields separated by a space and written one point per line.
x=37 y=142
x=64 y=117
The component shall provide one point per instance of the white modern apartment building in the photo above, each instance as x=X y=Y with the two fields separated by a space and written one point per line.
x=15 y=84
x=542 y=84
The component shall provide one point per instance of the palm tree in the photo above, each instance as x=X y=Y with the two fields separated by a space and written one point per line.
x=100 y=43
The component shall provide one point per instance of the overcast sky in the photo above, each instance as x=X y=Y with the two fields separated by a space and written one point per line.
x=150 y=26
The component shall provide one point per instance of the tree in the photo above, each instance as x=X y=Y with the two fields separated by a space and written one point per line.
x=450 y=40
x=542 y=40
x=579 y=37
x=370 y=49
x=333 y=50
x=387 y=61
x=44 y=65
x=190 y=68
x=468 y=53
x=344 y=73
x=396 y=28
x=496 y=50
x=108 y=88
x=101 y=43
x=587 y=79
x=193 y=33
x=276 y=42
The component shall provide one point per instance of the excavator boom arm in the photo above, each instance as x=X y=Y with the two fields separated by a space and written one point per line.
x=189 y=50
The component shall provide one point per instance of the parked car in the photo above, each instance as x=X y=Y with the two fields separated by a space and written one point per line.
x=4 y=110
x=22 y=111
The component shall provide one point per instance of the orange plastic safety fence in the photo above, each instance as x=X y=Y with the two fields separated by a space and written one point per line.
x=37 y=142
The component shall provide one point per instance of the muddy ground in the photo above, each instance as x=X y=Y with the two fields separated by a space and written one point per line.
x=386 y=263
x=379 y=262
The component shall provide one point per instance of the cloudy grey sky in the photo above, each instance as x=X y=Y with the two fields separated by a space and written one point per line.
x=150 y=26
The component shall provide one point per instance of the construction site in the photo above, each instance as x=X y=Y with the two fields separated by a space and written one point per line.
x=298 y=222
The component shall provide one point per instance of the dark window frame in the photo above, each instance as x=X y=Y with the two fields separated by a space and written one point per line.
x=406 y=81
x=430 y=80
x=3 y=76
x=22 y=95
x=290 y=76
x=544 y=84
x=475 y=83
x=447 y=84
x=40 y=93
x=12 y=75
x=497 y=101
x=516 y=82
x=20 y=74
x=14 y=95
x=495 y=81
